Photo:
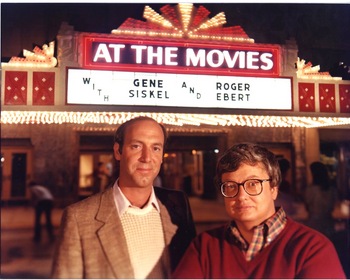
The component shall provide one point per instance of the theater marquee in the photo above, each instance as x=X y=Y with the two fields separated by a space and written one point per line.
x=177 y=90
x=107 y=53
x=198 y=64
x=120 y=71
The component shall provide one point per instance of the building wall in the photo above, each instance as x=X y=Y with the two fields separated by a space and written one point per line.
x=55 y=154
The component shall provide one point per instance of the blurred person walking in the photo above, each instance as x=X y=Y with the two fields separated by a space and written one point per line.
x=285 y=196
x=42 y=200
x=320 y=199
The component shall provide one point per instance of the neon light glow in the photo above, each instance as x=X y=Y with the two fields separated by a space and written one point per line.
x=109 y=52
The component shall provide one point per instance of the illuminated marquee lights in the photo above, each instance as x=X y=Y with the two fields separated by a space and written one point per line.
x=116 y=118
x=307 y=71
x=156 y=18
x=217 y=20
x=183 y=22
x=186 y=15
x=38 y=58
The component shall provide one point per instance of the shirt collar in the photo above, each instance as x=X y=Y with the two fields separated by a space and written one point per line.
x=122 y=203
x=264 y=234
x=276 y=223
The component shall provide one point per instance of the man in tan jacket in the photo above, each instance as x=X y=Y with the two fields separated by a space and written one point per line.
x=132 y=229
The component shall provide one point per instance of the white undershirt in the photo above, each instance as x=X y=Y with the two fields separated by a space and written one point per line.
x=144 y=235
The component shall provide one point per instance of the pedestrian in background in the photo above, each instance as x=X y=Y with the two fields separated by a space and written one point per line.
x=285 y=185
x=286 y=196
x=132 y=229
x=260 y=242
x=320 y=199
x=42 y=199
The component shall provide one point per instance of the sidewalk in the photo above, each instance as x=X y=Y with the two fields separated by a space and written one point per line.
x=20 y=256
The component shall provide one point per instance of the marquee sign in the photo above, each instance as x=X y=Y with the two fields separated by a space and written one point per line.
x=177 y=90
x=108 y=53
x=180 y=58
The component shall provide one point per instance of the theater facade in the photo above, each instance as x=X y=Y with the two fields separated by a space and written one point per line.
x=210 y=85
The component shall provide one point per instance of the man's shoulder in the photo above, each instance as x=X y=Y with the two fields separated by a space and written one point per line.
x=299 y=231
x=171 y=197
x=162 y=192
x=88 y=202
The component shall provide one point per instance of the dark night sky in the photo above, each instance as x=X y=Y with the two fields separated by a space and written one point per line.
x=322 y=30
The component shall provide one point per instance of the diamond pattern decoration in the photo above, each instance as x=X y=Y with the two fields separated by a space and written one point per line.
x=327 y=98
x=344 y=96
x=306 y=97
x=43 y=88
x=15 y=88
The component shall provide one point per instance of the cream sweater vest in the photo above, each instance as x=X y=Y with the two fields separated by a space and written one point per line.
x=145 y=240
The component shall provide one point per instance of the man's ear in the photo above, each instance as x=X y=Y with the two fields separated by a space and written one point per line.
x=274 y=191
x=116 y=151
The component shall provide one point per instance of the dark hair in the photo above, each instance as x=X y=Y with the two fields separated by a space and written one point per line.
x=284 y=165
x=320 y=175
x=248 y=153
x=119 y=135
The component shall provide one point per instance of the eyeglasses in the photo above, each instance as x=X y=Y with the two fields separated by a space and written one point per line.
x=252 y=187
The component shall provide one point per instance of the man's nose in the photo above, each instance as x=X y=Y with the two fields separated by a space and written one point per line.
x=242 y=194
x=145 y=154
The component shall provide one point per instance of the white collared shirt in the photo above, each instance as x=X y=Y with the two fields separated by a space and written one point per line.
x=122 y=203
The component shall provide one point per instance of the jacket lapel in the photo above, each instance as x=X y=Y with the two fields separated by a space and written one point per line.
x=169 y=232
x=112 y=237
x=168 y=227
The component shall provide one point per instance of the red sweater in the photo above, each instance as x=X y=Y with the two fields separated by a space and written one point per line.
x=298 y=252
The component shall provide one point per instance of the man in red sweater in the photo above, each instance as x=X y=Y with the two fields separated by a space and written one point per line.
x=260 y=241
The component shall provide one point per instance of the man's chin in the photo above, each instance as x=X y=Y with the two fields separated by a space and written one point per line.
x=145 y=182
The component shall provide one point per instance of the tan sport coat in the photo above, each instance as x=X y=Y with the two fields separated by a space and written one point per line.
x=92 y=244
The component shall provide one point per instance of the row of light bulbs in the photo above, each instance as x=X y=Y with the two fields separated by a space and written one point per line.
x=180 y=34
x=173 y=119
